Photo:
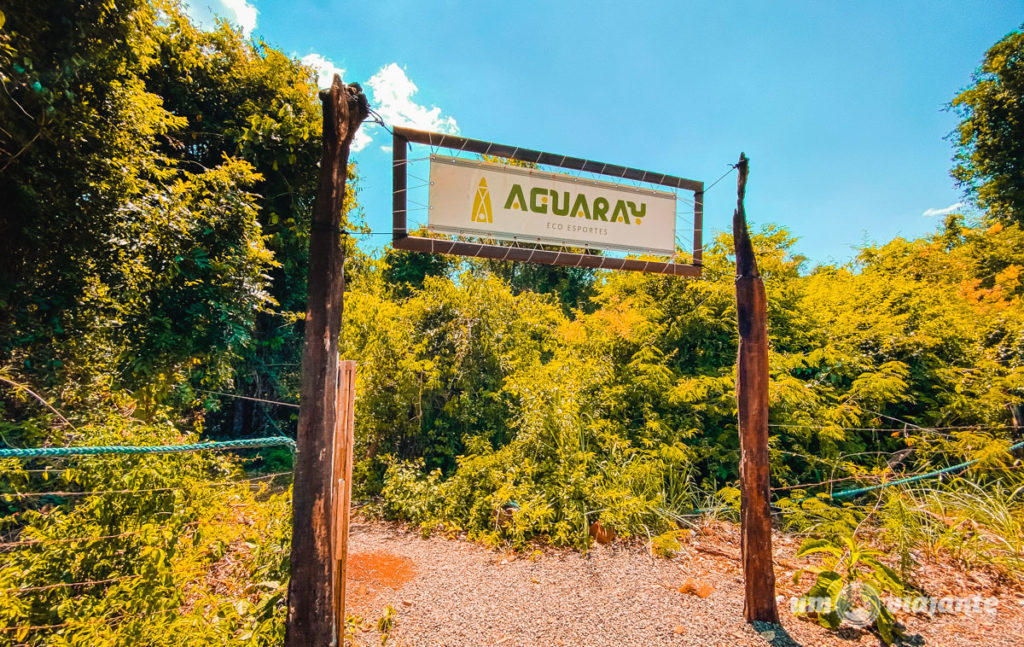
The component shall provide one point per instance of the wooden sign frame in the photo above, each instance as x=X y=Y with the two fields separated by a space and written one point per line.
x=402 y=240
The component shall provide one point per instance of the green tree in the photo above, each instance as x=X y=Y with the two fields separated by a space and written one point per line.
x=246 y=100
x=122 y=267
x=433 y=365
x=159 y=180
x=407 y=271
x=572 y=286
x=990 y=138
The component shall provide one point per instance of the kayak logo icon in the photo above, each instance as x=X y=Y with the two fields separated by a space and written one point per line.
x=482 y=204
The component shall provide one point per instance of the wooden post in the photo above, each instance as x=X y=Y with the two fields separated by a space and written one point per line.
x=344 y=439
x=311 y=607
x=752 y=403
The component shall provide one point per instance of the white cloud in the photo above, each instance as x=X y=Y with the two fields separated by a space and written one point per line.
x=945 y=211
x=325 y=69
x=362 y=138
x=391 y=93
x=237 y=12
x=392 y=96
x=244 y=14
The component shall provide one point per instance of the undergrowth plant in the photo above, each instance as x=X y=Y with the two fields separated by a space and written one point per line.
x=976 y=524
x=386 y=624
x=901 y=529
x=152 y=550
x=975 y=518
x=819 y=516
x=515 y=495
x=850 y=586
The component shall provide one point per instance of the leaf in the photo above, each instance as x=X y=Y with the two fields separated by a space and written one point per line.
x=884 y=631
x=811 y=546
x=888 y=578
x=851 y=546
x=835 y=589
x=830 y=620
x=820 y=589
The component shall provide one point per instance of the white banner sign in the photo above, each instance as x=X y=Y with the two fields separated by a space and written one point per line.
x=516 y=203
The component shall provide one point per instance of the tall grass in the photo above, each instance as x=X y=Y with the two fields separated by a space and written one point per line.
x=977 y=524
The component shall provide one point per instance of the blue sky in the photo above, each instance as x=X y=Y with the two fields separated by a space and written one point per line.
x=839 y=105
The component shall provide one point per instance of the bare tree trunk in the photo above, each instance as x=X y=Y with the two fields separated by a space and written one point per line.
x=752 y=403
x=1017 y=416
x=1017 y=420
x=311 y=612
x=248 y=417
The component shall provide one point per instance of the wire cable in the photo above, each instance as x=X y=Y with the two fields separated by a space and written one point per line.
x=252 y=399
x=221 y=445
x=27 y=495
x=62 y=585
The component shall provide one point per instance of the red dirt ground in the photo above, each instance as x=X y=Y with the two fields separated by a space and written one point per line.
x=373 y=578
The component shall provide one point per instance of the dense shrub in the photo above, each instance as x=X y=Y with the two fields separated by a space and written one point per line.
x=170 y=549
x=626 y=415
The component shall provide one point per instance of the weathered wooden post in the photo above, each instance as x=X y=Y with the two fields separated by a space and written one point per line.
x=311 y=604
x=344 y=441
x=752 y=403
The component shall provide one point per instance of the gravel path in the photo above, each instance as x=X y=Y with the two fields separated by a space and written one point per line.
x=451 y=593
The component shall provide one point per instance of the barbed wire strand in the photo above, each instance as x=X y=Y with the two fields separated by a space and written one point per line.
x=141 y=490
x=71 y=540
x=62 y=585
x=91 y=621
x=892 y=429
x=250 y=398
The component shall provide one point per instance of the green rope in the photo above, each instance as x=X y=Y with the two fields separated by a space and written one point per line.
x=911 y=479
x=247 y=443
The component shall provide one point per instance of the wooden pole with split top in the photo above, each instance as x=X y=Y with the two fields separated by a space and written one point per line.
x=752 y=404
x=311 y=603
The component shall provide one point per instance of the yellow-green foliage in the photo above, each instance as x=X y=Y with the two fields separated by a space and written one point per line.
x=179 y=552
x=669 y=543
x=616 y=415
